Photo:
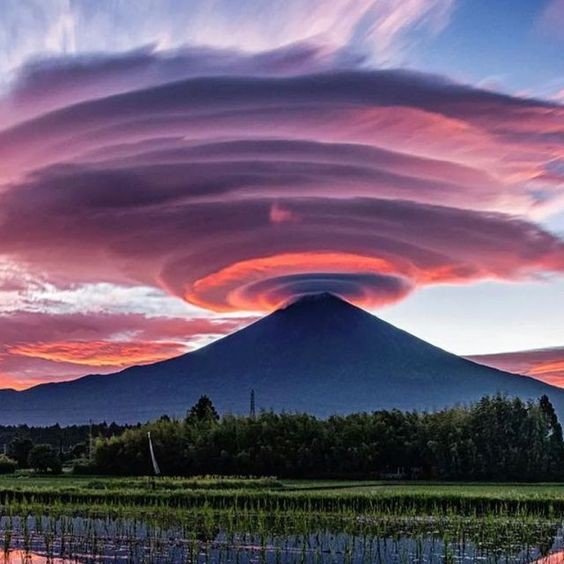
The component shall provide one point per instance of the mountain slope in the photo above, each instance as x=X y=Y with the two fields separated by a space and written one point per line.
x=320 y=354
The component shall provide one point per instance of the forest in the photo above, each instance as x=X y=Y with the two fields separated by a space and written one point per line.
x=495 y=439
x=67 y=444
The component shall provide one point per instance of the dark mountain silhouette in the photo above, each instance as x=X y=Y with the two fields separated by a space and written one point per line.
x=319 y=354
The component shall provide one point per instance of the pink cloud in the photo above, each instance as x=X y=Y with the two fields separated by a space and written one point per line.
x=238 y=181
x=545 y=364
x=37 y=346
x=279 y=214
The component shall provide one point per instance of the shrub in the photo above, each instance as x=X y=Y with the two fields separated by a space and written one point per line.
x=83 y=467
x=97 y=485
x=7 y=465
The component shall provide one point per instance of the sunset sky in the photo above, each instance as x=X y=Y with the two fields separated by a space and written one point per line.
x=171 y=170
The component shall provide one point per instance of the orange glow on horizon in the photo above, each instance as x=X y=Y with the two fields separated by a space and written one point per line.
x=100 y=353
x=529 y=363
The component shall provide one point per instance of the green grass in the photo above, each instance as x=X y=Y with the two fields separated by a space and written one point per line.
x=28 y=479
x=241 y=494
x=31 y=479
x=462 y=488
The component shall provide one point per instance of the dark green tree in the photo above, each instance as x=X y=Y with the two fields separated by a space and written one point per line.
x=44 y=458
x=18 y=449
x=548 y=409
x=554 y=446
x=202 y=411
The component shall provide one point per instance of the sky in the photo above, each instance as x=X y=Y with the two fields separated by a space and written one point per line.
x=172 y=170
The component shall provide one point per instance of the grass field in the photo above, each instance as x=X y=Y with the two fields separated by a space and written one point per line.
x=31 y=479
x=320 y=496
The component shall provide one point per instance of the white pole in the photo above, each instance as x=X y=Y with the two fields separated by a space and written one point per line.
x=156 y=468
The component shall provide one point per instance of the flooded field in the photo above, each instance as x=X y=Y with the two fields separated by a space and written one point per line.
x=43 y=539
x=217 y=520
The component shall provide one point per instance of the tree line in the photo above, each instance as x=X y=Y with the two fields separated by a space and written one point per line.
x=495 y=439
x=47 y=449
x=61 y=438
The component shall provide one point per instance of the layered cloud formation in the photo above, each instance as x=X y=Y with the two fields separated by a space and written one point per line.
x=236 y=181
x=544 y=364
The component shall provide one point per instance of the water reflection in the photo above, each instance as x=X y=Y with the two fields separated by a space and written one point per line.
x=554 y=558
x=48 y=540
x=23 y=557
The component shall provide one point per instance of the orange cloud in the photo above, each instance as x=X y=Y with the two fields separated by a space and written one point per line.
x=551 y=372
x=544 y=364
x=100 y=353
x=262 y=284
x=36 y=347
x=235 y=287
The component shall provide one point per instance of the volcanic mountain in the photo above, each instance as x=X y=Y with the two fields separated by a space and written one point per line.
x=319 y=354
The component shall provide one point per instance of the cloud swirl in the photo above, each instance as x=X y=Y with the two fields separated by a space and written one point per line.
x=237 y=181
x=238 y=190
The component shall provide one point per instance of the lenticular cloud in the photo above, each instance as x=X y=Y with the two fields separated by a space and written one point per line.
x=237 y=182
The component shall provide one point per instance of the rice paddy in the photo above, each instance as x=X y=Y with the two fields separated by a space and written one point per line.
x=104 y=519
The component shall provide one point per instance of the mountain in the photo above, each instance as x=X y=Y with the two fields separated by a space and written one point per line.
x=319 y=354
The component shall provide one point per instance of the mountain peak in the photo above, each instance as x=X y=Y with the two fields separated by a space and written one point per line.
x=315 y=298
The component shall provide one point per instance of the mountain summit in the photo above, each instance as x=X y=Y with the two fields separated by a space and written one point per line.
x=318 y=354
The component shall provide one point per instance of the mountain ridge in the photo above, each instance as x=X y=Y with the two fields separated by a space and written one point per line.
x=317 y=354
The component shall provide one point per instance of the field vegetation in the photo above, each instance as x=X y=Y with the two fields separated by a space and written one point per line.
x=269 y=494
x=283 y=515
x=183 y=519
